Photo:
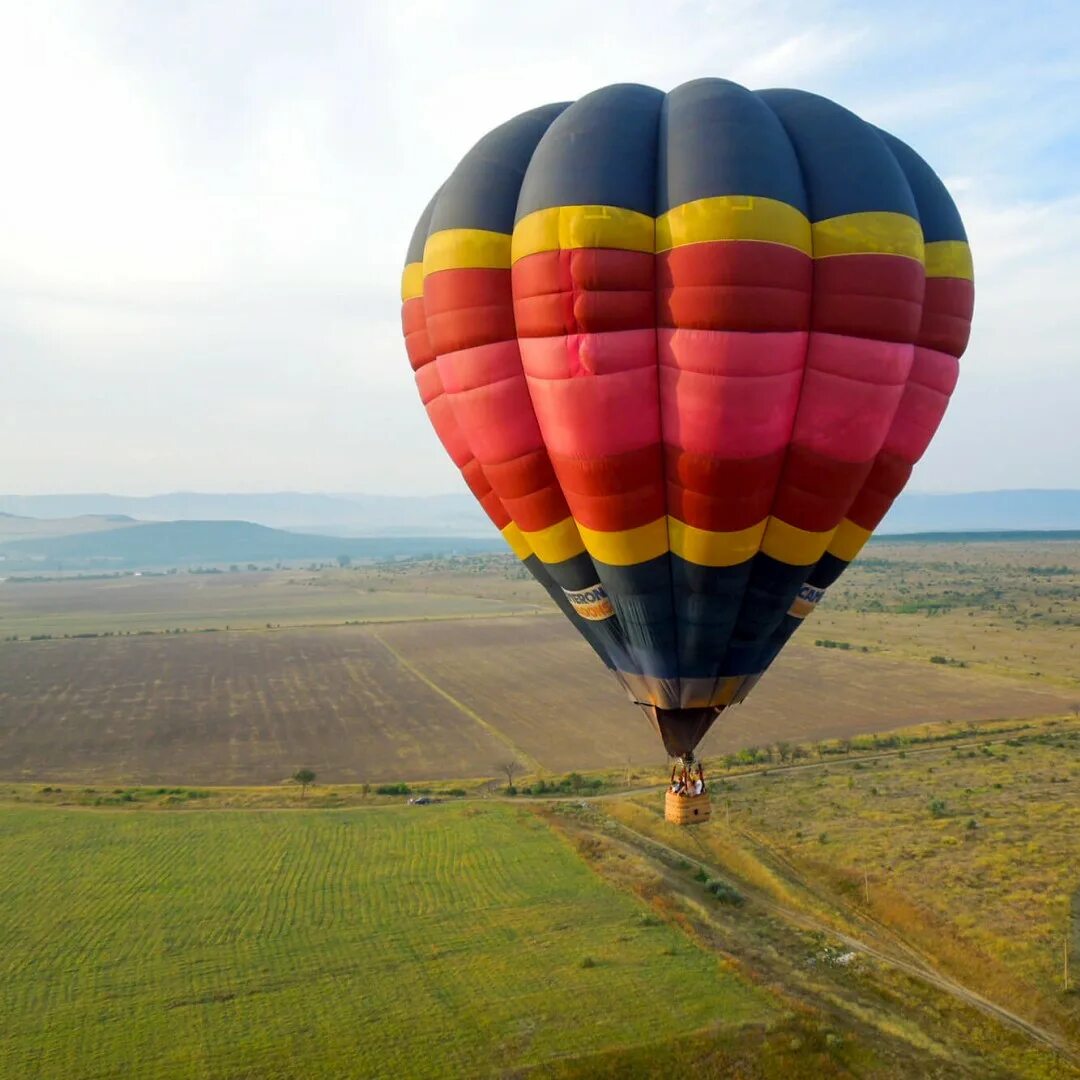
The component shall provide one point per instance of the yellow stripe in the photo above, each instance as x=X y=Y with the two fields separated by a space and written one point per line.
x=878 y=232
x=628 y=546
x=557 y=542
x=792 y=545
x=733 y=217
x=949 y=258
x=516 y=539
x=560 y=228
x=707 y=548
x=412 y=281
x=462 y=249
x=848 y=540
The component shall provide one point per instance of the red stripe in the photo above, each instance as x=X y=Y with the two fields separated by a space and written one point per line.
x=734 y=285
x=588 y=290
x=816 y=491
x=621 y=491
x=721 y=495
x=885 y=481
x=468 y=307
x=870 y=296
x=414 y=327
x=529 y=489
x=946 y=318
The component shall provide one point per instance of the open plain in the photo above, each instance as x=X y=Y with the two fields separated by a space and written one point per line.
x=865 y=902
x=415 y=671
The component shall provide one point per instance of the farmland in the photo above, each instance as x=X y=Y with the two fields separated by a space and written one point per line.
x=566 y=938
x=220 y=945
x=903 y=902
x=421 y=671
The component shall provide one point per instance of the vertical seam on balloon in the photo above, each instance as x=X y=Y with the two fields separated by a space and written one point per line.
x=867 y=483
x=798 y=401
x=661 y=162
x=528 y=387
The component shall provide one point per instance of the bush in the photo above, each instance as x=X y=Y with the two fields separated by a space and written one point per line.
x=937 y=807
x=393 y=789
x=725 y=893
x=701 y=875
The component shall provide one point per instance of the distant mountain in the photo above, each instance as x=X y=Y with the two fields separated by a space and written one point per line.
x=458 y=514
x=341 y=515
x=984 y=510
x=191 y=543
x=15 y=527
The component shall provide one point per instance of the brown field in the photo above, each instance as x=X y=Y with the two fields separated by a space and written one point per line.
x=364 y=703
x=451 y=667
x=160 y=604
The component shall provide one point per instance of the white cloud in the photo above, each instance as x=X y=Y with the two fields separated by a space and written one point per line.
x=205 y=208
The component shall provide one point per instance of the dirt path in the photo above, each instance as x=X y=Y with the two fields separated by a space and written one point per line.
x=913 y=963
x=527 y=760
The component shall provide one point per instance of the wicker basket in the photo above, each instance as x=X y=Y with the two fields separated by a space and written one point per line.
x=687 y=809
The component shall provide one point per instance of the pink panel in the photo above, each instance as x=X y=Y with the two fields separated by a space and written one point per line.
x=498 y=420
x=729 y=394
x=470 y=368
x=595 y=417
x=581 y=355
x=850 y=394
x=926 y=396
x=442 y=420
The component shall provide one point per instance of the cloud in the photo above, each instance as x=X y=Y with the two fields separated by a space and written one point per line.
x=205 y=209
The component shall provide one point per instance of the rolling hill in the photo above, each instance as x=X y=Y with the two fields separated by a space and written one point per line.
x=457 y=514
x=186 y=543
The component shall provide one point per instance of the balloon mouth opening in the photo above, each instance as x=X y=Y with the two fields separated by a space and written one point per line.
x=682 y=729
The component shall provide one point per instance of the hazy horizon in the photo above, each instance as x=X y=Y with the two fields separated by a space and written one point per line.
x=205 y=228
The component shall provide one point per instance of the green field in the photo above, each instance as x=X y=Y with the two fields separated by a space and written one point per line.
x=447 y=941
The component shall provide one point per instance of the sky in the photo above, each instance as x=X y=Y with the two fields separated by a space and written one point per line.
x=205 y=206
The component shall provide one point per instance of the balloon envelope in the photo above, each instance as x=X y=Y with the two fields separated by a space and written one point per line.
x=685 y=349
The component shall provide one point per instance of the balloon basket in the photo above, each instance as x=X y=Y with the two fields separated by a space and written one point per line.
x=687 y=809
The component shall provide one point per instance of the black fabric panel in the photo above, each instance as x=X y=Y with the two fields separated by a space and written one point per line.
x=482 y=192
x=718 y=138
x=601 y=150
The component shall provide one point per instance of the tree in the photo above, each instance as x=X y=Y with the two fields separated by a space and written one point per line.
x=303 y=777
x=344 y=560
x=510 y=769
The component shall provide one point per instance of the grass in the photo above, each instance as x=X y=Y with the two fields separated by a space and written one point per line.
x=329 y=944
x=970 y=854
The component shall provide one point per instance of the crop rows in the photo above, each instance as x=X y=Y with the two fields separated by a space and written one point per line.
x=325 y=944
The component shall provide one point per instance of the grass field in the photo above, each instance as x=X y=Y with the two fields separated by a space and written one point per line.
x=184 y=933
x=968 y=856
x=364 y=944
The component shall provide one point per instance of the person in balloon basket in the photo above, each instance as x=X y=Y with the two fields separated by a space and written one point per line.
x=699 y=783
x=678 y=783
x=683 y=785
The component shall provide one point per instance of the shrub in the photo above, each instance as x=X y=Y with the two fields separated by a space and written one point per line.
x=701 y=875
x=937 y=807
x=393 y=789
x=725 y=893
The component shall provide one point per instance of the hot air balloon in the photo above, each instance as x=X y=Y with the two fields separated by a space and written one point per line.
x=685 y=349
